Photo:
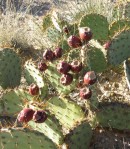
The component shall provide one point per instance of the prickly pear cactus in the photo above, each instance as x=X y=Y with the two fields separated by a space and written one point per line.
x=54 y=77
x=47 y=22
x=14 y=100
x=24 y=138
x=10 y=68
x=67 y=112
x=51 y=128
x=79 y=137
x=95 y=59
x=98 y=24
x=33 y=75
x=118 y=26
x=119 y=50
x=114 y=115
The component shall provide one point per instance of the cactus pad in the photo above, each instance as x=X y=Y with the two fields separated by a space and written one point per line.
x=32 y=74
x=97 y=23
x=12 y=102
x=10 y=68
x=67 y=112
x=127 y=72
x=51 y=128
x=54 y=77
x=114 y=115
x=117 y=26
x=119 y=49
x=79 y=137
x=53 y=35
x=16 y=138
x=95 y=59
x=47 y=22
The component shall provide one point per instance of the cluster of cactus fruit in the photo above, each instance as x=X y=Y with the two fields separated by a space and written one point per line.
x=76 y=54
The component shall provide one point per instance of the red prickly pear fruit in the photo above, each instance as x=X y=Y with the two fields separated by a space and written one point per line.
x=66 y=30
x=48 y=55
x=85 y=93
x=63 y=67
x=66 y=79
x=58 y=52
x=85 y=33
x=39 y=116
x=25 y=115
x=76 y=66
x=42 y=66
x=33 y=89
x=74 y=41
x=107 y=45
x=90 y=78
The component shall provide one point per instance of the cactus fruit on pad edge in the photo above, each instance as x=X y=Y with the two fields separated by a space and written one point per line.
x=24 y=138
x=33 y=75
x=54 y=77
x=113 y=115
x=119 y=49
x=13 y=101
x=79 y=137
x=66 y=111
x=51 y=128
x=97 y=23
x=10 y=68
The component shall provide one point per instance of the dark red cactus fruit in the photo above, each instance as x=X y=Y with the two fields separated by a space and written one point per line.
x=74 y=41
x=85 y=33
x=63 y=67
x=33 y=89
x=76 y=66
x=66 y=79
x=39 y=116
x=42 y=66
x=85 y=93
x=66 y=30
x=48 y=55
x=58 y=52
x=107 y=45
x=90 y=78
x=25 y=115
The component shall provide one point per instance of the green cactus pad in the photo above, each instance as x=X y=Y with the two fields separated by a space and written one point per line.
x=53 y=35
x=127 y=71
x=95 y=59
x=117 y=26
x=12 y=102
x=113 y=115
x=79 y=137
x=97 y=23
x=51 y=128
x=119 y=49
x=32 y=74
x=10 y=68
x=16 y=138
x=47 y=22
x=67 y=112
x=1 y=106
x=54 y=77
